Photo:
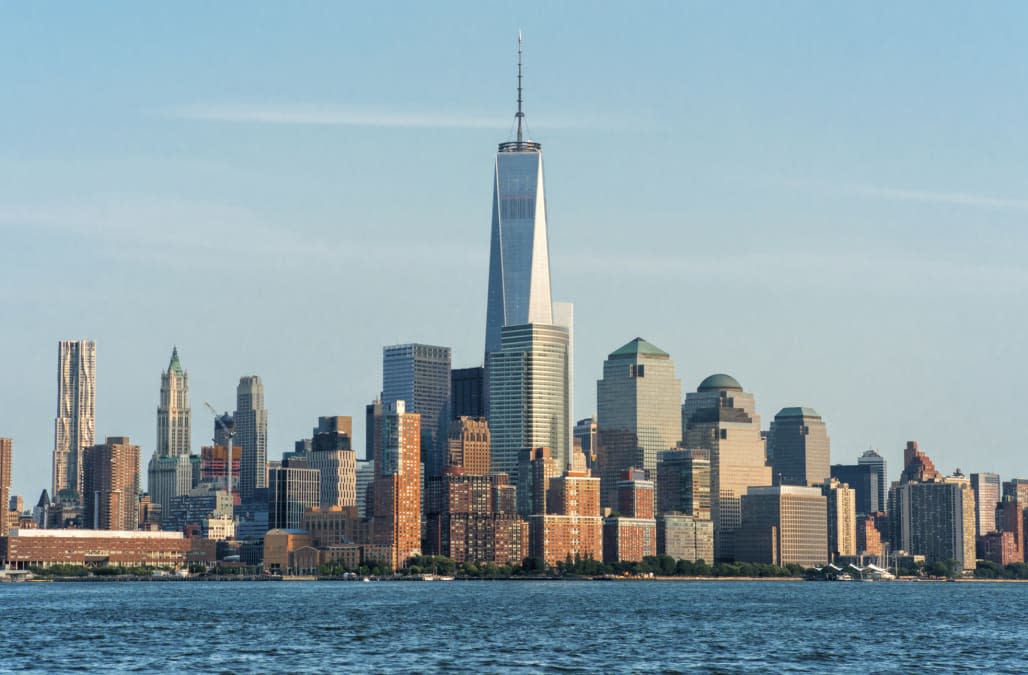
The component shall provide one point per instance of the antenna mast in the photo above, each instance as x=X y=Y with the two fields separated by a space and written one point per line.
x=520 y=115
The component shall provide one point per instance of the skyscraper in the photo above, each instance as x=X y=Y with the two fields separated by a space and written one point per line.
x=876 y=462
x=419 y=375
x=519 y=263
x=529 y=406
x=986 y=488
x=291 y=491
x=396 y=511
x=637 y=412
x=251 y=424
x=720 y=417
x=798 y=447
x=110 y=481
x=75 y=425
x=934 y=517
x=173 y=414
x=466 y=395
x=333 y=456
x=170 y=472
x=842 y=518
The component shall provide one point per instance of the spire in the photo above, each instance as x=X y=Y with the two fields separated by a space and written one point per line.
x=174 y=365
x=520 y=116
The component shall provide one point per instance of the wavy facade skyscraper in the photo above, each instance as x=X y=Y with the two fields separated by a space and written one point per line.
x=75 y=424
x=519 y=261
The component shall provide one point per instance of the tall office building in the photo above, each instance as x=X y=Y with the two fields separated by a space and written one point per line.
x=173 y=414
x=333 y=456
x=986 y=488
x=396 y=511
x=528 y=389
x=934 y=518
x=365 y=478
x=799 y=448
x=467 y=398
x=683 y=482
x=251 y=425
x=1016 y=489
x=75 y=424
x=783 y=524
x=291 y=491
x=6 y=446
x=721 y=418
x=637 y=412
x=842 y=518
x=876 y=462
x=867 y=479
x=419 y=375
x=170 y=472
x=110 y=480
x=519 y=262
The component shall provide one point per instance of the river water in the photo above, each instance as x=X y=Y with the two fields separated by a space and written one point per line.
x=515 y=626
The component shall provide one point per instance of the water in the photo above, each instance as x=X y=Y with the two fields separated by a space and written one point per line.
x=514 y=627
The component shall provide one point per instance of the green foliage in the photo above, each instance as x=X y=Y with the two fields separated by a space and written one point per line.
x=60 y=571
x=989 y=570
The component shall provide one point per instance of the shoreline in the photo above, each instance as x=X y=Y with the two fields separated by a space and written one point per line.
x=313 y=578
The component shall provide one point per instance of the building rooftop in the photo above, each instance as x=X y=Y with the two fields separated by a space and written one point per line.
x=92 y=534
x=638 y=347
x=797 y=411
x=719 y=381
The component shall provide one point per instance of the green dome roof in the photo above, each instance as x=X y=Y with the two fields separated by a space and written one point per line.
x=718 y=382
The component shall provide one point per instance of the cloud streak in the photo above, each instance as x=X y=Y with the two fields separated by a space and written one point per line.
x=952 y=198
x=911 y=195
x=326 y=115
x=334 y=115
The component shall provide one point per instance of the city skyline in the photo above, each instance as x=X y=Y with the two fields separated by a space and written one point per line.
x=888 y=315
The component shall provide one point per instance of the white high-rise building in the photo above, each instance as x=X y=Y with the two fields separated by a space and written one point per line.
x=519 y=262
x=173 y=413
x=75 y=424
x=170 y=471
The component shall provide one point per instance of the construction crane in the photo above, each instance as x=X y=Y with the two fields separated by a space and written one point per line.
x=231 y=433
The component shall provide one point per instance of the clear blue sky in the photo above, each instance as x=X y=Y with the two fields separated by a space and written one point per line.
x=828 y=201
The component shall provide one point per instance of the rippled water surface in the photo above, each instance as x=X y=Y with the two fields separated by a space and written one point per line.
x=514 y=626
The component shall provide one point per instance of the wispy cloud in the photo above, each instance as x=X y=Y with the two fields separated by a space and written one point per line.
x=903 y=194
x=327 y=115
x=323 y=114
x=954 y=198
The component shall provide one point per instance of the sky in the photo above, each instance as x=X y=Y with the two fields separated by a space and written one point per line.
x=826 y=200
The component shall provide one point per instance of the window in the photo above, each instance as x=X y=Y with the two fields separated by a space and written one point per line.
x=640 y=370
x=724 y=434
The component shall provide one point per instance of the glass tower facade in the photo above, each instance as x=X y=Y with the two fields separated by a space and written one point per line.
x=519 y=261
x=637 y=412
x=419 y=375
x=528 y=391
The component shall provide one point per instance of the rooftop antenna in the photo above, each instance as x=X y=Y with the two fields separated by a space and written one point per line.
x=520 y=116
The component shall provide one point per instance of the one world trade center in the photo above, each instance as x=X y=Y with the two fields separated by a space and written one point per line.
x=519 y=262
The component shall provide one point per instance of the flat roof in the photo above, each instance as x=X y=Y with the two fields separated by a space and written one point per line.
x=93 y=534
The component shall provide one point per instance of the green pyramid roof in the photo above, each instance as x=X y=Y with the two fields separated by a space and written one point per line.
x=174 y=365
x=638 y=347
